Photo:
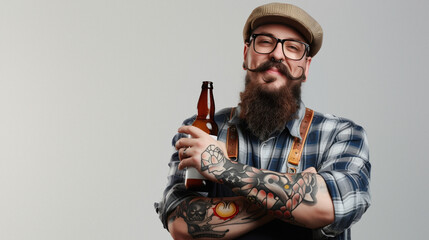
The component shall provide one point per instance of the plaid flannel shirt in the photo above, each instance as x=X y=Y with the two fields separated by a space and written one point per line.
x=336 y=147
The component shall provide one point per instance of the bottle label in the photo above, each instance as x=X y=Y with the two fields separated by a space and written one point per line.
x=192 y=173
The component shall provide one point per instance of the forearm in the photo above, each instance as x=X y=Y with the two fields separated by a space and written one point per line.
x=300 y=199
x=220 y=218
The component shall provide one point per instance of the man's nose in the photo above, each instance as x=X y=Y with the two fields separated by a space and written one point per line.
x=277 y=54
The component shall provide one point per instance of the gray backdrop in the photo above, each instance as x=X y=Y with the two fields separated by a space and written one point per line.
x=91 y=92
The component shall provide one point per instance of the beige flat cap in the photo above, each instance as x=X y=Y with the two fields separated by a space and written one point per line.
x=290 y=15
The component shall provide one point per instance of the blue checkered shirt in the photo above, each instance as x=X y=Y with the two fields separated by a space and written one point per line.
x=336 y=147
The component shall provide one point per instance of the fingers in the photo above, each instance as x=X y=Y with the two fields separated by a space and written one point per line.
x=187 y=159
x=185 y=142
x=184 y=153
x=183 y=164
x=193 y=131
x=190 y=149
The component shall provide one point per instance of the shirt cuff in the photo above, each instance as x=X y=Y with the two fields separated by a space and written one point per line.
x=174 y=197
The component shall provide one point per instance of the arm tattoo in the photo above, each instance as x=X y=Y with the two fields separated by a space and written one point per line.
x=280 y=194
x=207 y=218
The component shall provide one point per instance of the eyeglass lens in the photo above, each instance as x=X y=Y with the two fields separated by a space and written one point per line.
x=266 y=44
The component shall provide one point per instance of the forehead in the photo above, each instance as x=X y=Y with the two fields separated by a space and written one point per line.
x=279 y=31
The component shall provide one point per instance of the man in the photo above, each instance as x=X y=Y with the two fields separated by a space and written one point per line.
x=297 y=174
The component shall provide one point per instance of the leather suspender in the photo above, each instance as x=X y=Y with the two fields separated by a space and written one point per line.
x=232 y=140
x=297 y=145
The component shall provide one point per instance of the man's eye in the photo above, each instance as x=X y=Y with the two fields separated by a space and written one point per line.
x=265 y=41
x=293 y=48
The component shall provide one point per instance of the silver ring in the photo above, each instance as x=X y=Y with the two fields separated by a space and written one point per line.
x=184 y=153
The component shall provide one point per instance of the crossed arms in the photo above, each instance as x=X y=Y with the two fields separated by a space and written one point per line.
x=300 y=199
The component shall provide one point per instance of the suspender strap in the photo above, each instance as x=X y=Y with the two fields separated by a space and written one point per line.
x=297 y=146
x=232 y=139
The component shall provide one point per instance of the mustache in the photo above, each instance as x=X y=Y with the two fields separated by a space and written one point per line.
x=281 y=68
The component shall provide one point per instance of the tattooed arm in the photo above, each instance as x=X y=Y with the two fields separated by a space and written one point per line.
x=209 y=218
x=301 y=199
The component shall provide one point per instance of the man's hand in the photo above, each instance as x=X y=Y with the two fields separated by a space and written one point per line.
x=200 y=151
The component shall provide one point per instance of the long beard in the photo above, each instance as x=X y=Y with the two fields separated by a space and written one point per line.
x=266 y=112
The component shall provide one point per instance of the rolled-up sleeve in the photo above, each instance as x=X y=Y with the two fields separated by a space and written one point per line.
x=175 y=191
x=346 y=171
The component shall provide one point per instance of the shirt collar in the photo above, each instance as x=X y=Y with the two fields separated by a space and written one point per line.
x=293 y=125
x=235 y=120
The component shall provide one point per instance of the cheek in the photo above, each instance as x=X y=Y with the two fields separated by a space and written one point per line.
x=253 y=61
x=297 y=68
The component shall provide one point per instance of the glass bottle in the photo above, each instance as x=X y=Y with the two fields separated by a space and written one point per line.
x=204 y=121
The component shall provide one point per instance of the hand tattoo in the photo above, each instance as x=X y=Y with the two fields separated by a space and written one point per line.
x=280 y=194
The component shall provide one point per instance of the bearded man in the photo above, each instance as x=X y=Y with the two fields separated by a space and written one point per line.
x=291 y=172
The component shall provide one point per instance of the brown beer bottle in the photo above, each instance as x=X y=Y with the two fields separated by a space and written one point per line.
x=204 y=121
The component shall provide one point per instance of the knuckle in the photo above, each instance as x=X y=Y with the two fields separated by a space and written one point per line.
x=194 y=160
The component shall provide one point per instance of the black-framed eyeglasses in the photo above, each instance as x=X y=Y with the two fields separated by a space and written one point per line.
x=266 y=44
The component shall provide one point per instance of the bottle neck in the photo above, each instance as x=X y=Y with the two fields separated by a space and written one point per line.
x=206 y=105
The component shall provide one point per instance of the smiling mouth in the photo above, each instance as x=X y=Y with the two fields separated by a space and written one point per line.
x=269 y=78
x=273 y=70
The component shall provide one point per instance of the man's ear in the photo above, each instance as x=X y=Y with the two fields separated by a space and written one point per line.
x=307 y=67
x=245 y=51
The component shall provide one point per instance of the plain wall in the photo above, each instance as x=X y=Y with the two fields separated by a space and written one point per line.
x=92 y=91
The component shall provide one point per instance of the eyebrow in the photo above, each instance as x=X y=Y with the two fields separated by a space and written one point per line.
x=271 y=35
